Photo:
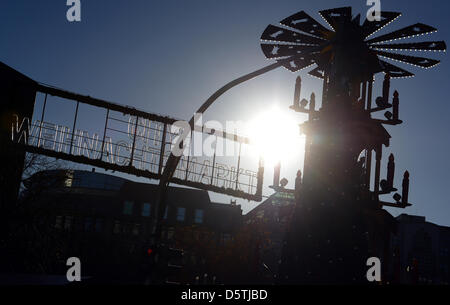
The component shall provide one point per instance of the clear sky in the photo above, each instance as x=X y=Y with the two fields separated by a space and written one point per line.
x=168 y=56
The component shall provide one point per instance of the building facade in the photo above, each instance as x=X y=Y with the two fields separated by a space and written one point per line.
x=272 y=216
x=422 y=251
x=107 y=221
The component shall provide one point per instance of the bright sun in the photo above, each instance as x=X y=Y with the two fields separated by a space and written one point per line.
x=275 y=136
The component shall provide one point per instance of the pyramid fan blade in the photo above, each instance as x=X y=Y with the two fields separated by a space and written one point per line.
x=283 y=50
x=415 y=46
x=371 y=27
x=394 y=71
x=305 y=23
x=317 y=72
x=410 y=31
x=416 y=61
x=332 y=16
x=300 y=63
x=299 y=41
x=275 y=33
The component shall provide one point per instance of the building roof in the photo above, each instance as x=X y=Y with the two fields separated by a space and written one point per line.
x=100 y=181
x=174 y=194
x=414 y=219
x=276 y=197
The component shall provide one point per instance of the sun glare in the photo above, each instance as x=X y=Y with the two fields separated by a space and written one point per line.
x=275 y=136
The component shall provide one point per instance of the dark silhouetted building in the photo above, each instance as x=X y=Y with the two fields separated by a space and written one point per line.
x=274 y=214
x=107 y=221
x=422 y=251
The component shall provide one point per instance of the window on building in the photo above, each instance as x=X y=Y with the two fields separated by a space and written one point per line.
x=198 y=216
x=88 y=224
x=276 y=215
x=117 y=227
x=181 y=213
x=166 y=212
x=127 y=228
x=128 y=207
x=146 y=209
x=136 y=229
x=68 y=182
x=226 y=237
x=170 y=233
x=98 y=225
x=68 y=221
x=77 y=225
x=59 y=221
x=260 y=214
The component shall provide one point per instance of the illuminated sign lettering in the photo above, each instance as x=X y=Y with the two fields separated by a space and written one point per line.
x=139 y=143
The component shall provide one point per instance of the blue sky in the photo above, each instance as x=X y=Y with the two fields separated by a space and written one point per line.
x=168 y=56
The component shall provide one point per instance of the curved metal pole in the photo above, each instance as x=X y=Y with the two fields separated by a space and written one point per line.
x=236 y=82
x=172 y=161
